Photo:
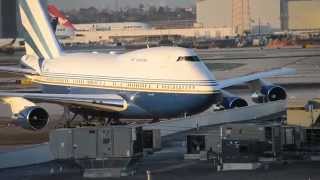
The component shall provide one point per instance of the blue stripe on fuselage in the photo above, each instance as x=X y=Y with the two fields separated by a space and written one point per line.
x=147 y=105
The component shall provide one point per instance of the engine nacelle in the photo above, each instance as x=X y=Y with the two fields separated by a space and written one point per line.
x=231 y=101
x=32 y=118
x=274 y=93
x=26 y=114
x=269 y=93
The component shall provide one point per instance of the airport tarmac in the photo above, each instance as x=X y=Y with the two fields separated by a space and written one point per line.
x=169 y=163
x=251 y=60
x=229 y=63
x=301 y=87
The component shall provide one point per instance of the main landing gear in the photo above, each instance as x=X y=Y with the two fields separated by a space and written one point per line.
x=89 y=118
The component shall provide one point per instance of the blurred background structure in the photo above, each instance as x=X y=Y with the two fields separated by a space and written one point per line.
x=9 y=18
x=257 y=15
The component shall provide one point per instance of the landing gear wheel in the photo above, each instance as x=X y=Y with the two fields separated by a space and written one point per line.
x=155 y=120
x=114 y=119
x=66 y=117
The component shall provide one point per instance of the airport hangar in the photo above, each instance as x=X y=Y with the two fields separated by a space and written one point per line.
x=243 y=15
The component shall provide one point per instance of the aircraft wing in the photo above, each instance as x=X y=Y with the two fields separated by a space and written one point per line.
x=105 y=102
x=16 y=70
x=252 y=77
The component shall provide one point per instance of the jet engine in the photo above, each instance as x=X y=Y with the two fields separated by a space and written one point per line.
x=26 y=114
x=231 y=101
x=269 y=93
x=32 y=118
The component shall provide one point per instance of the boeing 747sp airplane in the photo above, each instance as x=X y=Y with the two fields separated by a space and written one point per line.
x=154 y=83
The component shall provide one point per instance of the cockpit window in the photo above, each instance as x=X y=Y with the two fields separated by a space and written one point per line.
x=189 y=58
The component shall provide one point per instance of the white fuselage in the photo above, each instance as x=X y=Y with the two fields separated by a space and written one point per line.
x=148 y=70
x=145 y=78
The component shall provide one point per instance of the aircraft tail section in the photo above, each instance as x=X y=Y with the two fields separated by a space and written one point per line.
x=62 y=19
x=37 y=31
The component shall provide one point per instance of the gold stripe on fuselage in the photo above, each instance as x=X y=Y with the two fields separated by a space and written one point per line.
x=126 y=86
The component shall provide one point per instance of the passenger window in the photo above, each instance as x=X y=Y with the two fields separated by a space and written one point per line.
x=189 y=58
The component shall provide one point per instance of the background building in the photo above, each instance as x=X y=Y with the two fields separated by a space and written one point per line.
x=265 y=16
x=214 y=13
x=285 y=14
x=304 y=15
x=262 y=16
x=241 y=16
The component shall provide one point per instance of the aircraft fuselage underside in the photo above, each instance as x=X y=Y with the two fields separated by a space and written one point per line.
x=146 y=105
